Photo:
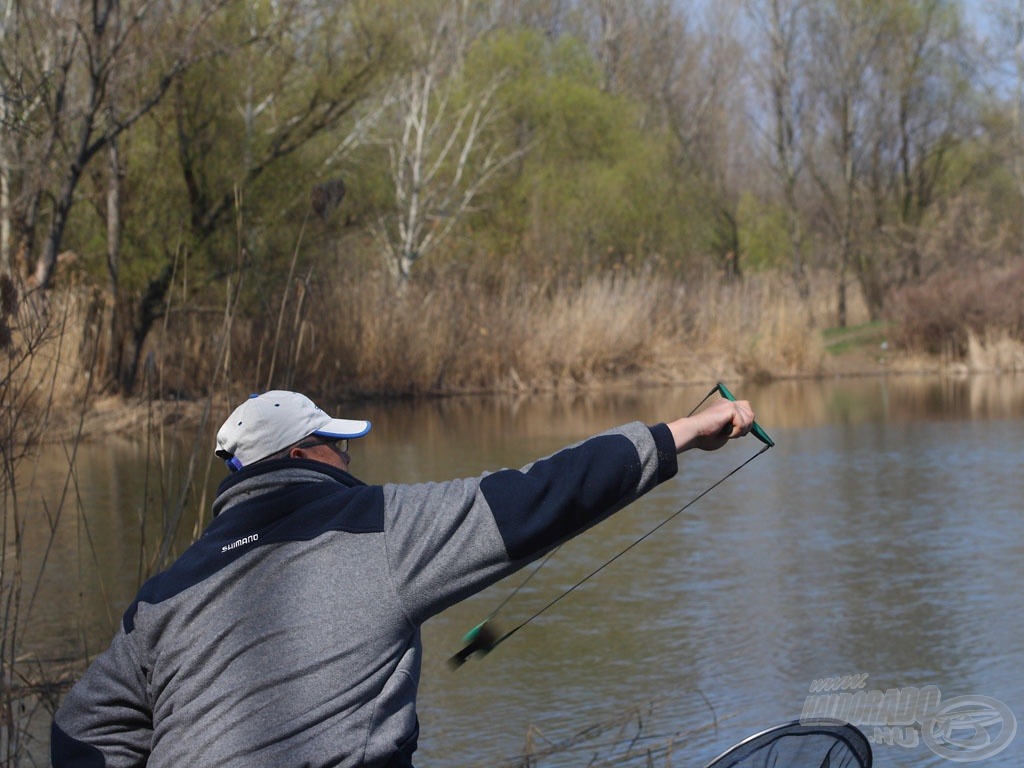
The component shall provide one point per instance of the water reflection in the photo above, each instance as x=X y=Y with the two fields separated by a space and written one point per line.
x=882 y=536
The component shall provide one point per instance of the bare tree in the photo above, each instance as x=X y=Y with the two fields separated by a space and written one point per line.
x=613 y=33
x=93 y=71
x=925 y=114
x=644 y=49
x=704 y=106
x=783 y=72
x=847 y=38
x=82 y=49
x=25 y=60
x=444 y=150
x=891 y=96
x=1006 y=19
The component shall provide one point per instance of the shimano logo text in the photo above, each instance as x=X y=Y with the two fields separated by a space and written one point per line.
x=241 y=542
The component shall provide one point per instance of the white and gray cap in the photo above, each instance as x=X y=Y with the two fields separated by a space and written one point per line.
x=270 y=422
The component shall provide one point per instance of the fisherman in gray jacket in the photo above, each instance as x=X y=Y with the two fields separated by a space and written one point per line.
x=289 y=633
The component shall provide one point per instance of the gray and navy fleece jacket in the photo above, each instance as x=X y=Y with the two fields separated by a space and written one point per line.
x=289 y=633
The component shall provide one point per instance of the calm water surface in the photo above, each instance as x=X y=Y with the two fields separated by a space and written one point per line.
x=882 y=536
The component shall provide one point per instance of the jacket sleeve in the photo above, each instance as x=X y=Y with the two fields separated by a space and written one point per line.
x=105 y=720
x=446 y=541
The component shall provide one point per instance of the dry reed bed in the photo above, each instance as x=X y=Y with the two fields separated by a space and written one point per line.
x=473 y=331
x=515 y=334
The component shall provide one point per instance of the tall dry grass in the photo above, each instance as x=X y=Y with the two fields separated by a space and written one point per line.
x=33 y=346
x=476 y=329
x=51 y=345
x=762 y=326
x=472 y=330
x=994 y=350
x=469 y=335
x=59 y=364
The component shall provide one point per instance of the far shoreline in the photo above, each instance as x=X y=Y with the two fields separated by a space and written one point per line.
x=113 y=415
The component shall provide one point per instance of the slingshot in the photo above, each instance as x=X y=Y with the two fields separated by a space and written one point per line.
x=485 y=637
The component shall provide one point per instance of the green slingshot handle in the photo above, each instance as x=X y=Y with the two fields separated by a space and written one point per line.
x=755 y=430
x=481 y=639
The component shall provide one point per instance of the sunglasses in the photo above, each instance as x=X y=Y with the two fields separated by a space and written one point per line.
x=339 y=446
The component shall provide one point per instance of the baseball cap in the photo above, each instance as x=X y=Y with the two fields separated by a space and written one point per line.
x=269 y=422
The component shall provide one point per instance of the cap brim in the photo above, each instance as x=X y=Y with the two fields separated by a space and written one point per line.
x=339 y=428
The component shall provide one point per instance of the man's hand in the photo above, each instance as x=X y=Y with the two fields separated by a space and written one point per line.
x=714 y=426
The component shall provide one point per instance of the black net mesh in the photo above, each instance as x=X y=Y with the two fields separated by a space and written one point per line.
x=800 y=745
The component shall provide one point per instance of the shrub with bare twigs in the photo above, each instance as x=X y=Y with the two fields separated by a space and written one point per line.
x=941 y=316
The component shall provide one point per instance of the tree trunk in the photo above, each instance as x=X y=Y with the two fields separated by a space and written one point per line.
x=872 y=283
x=43 y=272
x=844 y=261
x=116 y=309
x=151 y=308
x=6 y=256
x=841 y=300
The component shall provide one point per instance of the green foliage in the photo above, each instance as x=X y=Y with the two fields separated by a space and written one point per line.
x=252 y=130
x=593 y=184
x=763 y=235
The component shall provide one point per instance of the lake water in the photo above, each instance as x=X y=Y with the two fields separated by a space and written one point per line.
x=881 y=538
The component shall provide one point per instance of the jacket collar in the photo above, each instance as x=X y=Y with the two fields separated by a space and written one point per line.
x=266 y=476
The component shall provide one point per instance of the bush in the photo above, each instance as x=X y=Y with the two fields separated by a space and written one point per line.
x=940 y=315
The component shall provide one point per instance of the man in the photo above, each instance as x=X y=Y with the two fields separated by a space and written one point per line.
x=289 y=634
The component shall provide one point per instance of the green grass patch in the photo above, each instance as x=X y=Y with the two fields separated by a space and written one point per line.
x=866 y=337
